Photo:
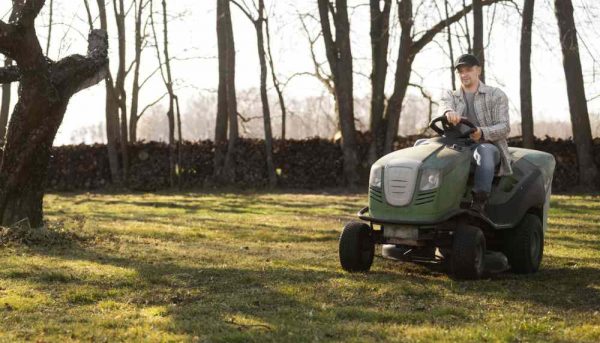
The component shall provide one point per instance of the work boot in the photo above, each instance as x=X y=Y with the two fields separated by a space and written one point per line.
x=479 y=202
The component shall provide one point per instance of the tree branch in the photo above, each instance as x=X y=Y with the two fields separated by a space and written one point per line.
x=7 y=38
x=25 y=11
x=437 y=28
x=244 y=10
x=150 y=105
x=75 y=73
x=9 y=74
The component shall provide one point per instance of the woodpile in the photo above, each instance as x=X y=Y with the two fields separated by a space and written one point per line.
x=313 y=163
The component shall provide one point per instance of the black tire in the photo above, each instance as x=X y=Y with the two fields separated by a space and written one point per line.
x=357 y=247
x=468 y=253
x=525 y=245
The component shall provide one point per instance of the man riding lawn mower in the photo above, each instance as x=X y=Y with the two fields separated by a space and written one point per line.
x=463 y=197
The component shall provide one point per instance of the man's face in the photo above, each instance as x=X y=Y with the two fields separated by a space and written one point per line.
x=469 y=75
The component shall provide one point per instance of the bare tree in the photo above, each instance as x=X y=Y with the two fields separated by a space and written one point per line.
x=139 y=6
x=111 y=108
x=580 y=119
x=467 y=30
x=319 y=72
x=478 y=49
x=450 y=48
x=120 y=92
x=276 y=83
x=173 y=109
x=380 y=38
x=526 y=101
x=259 y=27
x=224 y=170
x=45 y=90
x=88 y=12
x=339 y=55
x=50 y=23
x=409 y=48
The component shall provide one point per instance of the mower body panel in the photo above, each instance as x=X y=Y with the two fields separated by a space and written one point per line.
x=527 y=190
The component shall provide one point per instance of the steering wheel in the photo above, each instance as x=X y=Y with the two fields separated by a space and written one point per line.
x=447 y=126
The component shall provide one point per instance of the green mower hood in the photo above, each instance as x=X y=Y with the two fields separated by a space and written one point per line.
x=419 y=184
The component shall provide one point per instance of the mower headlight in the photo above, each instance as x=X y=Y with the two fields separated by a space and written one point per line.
x=376 y=176
x=430 y=179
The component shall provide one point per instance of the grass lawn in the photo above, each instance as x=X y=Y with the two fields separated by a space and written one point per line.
x=261 y=267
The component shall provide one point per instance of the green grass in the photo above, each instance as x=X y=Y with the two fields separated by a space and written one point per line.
x=264 y=267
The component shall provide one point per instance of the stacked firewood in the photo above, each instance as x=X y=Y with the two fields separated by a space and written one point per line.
x=78 y=167
x=313 y=163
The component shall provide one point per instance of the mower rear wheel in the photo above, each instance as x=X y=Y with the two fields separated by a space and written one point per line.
x=525 y=245
x=468 y=252
x=357 y=247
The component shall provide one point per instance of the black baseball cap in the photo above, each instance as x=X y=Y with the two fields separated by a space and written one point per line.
x=466 y=60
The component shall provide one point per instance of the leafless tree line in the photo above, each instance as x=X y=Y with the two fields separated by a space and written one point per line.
x=46 y=86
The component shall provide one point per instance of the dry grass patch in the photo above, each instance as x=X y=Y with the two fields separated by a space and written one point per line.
x=264 y=267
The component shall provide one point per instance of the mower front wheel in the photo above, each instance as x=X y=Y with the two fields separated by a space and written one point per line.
x=468 y=252
x=357 y=247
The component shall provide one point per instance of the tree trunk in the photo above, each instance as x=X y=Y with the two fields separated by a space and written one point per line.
x=5 y=108
x=450 y=49
x=259 y=27
x=179 y=143
x=224 y=170
x=526 y=101
x=380 y=37
x=478 y=36
x=121 y=94
x=276 y=83
x=135 y=88
x=222 y=117
x=232 y=113
x=111 y=110
x=171 y=113
x=580 y=120
x=339 y=56
x=44 y=92
x=263 y=94
x=403 y=70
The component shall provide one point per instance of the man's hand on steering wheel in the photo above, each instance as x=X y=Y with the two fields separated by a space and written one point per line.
x=453 y=117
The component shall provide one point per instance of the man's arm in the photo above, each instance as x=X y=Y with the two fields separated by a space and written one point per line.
x=446 y=104
x=500 y=118
x=448 y=108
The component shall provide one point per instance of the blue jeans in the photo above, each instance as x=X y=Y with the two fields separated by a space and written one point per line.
x=486 y=157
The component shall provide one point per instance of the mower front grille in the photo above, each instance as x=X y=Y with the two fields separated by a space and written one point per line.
x=376 y=194
x=426 y=197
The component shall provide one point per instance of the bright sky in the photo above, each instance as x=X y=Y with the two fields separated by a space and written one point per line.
x=193 y=43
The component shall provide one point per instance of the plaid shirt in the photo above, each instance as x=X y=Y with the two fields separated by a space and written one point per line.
x=491 y=107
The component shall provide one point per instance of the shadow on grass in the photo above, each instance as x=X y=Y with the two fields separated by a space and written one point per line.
x=560 y=284
x=227 y=203
x=270 y=303
x=182 y=229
